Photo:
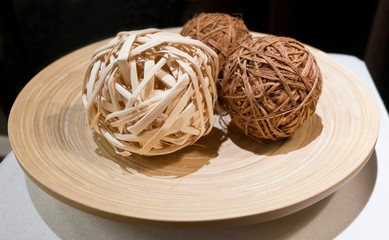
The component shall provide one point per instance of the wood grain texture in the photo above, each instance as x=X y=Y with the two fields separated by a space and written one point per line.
x=225 y=179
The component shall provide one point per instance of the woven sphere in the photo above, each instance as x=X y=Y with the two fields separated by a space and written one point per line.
x=270 y=86
x=221 y=31
x=151 y=92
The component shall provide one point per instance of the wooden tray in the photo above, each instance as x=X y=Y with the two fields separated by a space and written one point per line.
x=225 y=179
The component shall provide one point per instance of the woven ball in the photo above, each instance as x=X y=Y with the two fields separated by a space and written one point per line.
x=270 y=86
x=221 y=31
x=151 y=92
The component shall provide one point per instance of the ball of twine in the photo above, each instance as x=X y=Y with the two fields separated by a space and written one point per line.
x=151 y=92
x=221 y=31
x=270 y=86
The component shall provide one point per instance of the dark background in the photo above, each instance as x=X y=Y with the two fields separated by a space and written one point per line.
x=33 y=33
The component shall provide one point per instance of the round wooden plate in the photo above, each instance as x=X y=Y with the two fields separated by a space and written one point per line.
x=225 y=179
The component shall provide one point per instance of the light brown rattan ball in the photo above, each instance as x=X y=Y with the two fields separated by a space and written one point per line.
x=151 y=92
x=221 y=31
x=270 y=86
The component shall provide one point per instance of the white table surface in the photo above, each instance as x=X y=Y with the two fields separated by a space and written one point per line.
x=358 y=210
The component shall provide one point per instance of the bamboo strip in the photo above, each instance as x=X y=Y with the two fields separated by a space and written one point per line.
x=151 y=92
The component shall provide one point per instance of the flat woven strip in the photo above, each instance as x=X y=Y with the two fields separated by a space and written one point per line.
x=221 y=31
x=270 y=86
x=151 y=92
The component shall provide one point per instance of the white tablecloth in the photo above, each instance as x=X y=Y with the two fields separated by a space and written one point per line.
x=359 y=210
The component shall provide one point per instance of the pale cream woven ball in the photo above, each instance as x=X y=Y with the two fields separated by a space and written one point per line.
x=151 y=92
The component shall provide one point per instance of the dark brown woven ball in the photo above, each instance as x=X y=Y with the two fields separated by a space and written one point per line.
x=270 y=86
x=221 y=31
